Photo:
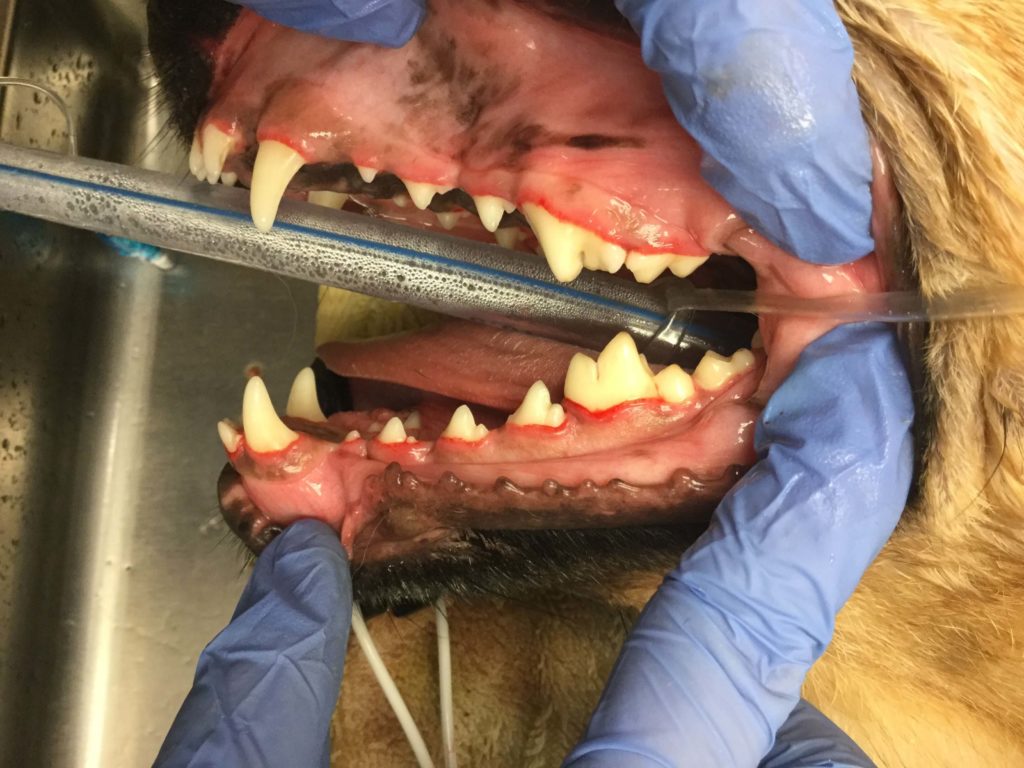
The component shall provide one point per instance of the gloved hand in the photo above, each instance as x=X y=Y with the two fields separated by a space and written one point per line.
x=384 y=22
x=266 y=687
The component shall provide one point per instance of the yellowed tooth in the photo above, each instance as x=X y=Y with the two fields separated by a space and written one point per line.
x=508 y=237
x=217 y=145
x=367 y=174
x=464 y=427
x=674 y=384
x=612 y=256
x=276 y=164
x=490 y=209
x=714 y=370
x=328 y=198
x=264 y=430
x=561 y=243
x=448 y=219
x=393 y=431
x=228 y=435
x=302 y=400
x=413 y=420
x=421 y=193
x=619 y=375
x=195 y=160
x=646 y=268
x=229 y=179
x=684 y=266
x=353 y=435
x=537 y=408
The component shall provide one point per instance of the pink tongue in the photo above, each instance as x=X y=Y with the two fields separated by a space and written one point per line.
x=458 y=359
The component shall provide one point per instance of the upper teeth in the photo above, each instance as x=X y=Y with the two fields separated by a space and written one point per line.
x=619 y=375
x=421 y=193
x=646 y=268
x=302 y=400
x=490 y=209
x=276 y=164
x=537 y=408
x=264 y=430
x=568 y=248
x=464 y=427
x=216 y=147
x=366 y=174
x=195 y=160
x=714 y=370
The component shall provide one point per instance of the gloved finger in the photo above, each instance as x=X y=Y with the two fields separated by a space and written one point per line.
x=808 y=738
x=384 y=22
x=715 y=663
x=764 y=87
x=266 y=687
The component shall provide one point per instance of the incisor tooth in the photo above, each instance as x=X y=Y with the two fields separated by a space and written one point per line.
x=714 y=370
x=464 y=427
x=228 y=435
x=490 y=209
x=536 y=408
x=366 y=174
x=216 y=147
x=448 y=219
x=302 y=400
x=619 y=375
x=422 y=193
x=264 y=430
x=393 y=431
x=195 y=160
x=276 y=164
x=328 y=198
x=674 y=384
x=648 y=268
x=561 y=242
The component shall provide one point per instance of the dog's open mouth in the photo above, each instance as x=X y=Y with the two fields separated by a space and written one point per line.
x=534 y=127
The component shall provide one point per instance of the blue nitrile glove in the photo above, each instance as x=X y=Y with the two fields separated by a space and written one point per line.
x=266 y=687
x=384 y=22
x=764 y=87
x=714 y=666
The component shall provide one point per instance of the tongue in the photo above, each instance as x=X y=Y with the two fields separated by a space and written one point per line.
x=461 y=360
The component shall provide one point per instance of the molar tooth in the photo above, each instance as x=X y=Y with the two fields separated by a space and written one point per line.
x=353 y=435
x=448 y=219
x=619 y=375
x=490 y=209
x=229 y=179
x=674 y=384
x=276 y=164
x=464 y=427
x=714 y=370
x=684 y=266
x=302 y=400
x=422 y=193
x=367 y=174
x=393 y=431
x=327 y=198
x=648 y=268
x=217 y=145
x=508 y=237
x=195 y=160
x=228 y=435
x=561 y=242
x=264 y=430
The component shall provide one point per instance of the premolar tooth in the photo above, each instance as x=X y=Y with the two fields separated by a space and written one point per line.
x=490 y=209
x=537 y=408
x=195 y=160
x=619 y=375
x=393 y=431
x=561 y=242
x=353 y=435
x=647 y=268
x=228 y=435
x=714 y=370
x=612 y=256
x=302 y=400
x=276 y=164
x=674 y=384
x=448 y=219
x=229 y=179
x=413 y=420
x=422 y=193
x=464 y=427
x=216 y=147
x=327 y=198
x=400 y=200
x=508 y=237
x=264 y=430
x=367 y=174
x=684 y=266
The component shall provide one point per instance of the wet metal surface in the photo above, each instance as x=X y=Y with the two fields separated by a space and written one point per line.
x=115 y=568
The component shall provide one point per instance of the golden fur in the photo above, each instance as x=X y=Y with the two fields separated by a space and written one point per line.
x=927 y=664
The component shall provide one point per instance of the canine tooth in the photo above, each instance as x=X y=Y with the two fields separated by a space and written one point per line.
x=302 y=400
x=464 y=427
x=229 y=179
x=562 y=243
x=422 y=193
x=276 y=164
x=264 y=430
x=684 y=266
x=674 y=384
x=508 y=237
x=714 y=370
x=490 y=209
x=228 y=435
x=353 y=435
x=393 y=431
x=647 y=268
x=413 y=420
x=367 y=174
x=216 y=147
x=449 y=219
x=619 y=375
x=195 y=160
x=328 y=198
